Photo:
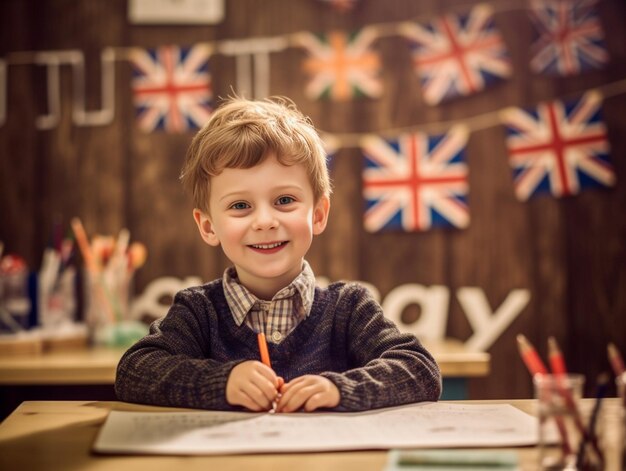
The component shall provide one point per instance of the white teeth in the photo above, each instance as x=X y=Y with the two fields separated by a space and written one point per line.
x=267 y=246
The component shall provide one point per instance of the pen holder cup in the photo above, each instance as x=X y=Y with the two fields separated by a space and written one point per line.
x=106 y=299
x=108 y=313
x=57 y=301
x=562 y=426
x=15 y=305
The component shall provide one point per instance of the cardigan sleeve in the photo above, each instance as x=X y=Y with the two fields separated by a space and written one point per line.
x=388 y=367
x=170 y=366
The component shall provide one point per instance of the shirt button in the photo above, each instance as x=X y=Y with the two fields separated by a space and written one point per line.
x=277 y=336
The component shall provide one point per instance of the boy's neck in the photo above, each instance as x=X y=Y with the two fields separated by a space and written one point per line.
x=266 y=292
x=266 y=288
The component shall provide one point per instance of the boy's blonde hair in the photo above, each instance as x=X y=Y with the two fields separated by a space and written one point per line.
x=241 y=133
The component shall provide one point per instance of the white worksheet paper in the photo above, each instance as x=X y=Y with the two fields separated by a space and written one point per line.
x=429 y=425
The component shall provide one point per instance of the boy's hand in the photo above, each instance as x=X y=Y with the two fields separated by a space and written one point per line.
x=309 y=392
x=252 y=385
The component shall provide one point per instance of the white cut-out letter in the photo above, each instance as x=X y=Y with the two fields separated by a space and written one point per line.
x=105 y=115
x=52 y=60
x=433 y=302
x=149 y=302
x=247 y=50
x=487 y=326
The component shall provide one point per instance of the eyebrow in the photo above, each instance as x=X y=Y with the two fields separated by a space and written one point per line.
x=278 y=189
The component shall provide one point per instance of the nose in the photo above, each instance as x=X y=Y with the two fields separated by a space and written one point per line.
x=264 y=219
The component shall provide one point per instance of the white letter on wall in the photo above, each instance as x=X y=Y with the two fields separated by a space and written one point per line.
x=488 y=327
x=433 y=302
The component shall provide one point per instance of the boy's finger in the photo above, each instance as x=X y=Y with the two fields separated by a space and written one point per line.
x=261 y=394
x=267 y=387
x=245 y=400
x=314 y=402
x=268 y=373
x=294 y=398
x=292 y=404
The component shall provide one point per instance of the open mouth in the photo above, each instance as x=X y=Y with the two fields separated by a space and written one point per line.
x=268 y=248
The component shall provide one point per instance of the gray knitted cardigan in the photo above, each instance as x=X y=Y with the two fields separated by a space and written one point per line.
x=187 y=357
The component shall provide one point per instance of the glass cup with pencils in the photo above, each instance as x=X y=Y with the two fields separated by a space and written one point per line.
x=109 y=266
x=561 y=428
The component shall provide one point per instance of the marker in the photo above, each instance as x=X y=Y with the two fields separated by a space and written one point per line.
x=265 y=359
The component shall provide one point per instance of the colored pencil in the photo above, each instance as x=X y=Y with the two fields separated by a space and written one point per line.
x=602 y=383
x=265 y=359
x=615 y=357
x=83 y=245
x=557 y=362
x=530 y=356
x=265 y=354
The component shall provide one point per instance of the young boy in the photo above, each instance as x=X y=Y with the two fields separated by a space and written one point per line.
x=258 y=176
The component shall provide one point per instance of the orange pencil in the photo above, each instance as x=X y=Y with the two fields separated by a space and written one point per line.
x=265 y=354
x=83 y=245
x=615 y=357
x=265 y=359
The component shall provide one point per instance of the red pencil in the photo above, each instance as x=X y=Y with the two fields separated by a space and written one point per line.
x=615 y=357
x=530 y=356
x=557 y=362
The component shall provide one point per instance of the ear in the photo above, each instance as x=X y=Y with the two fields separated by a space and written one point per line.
x=205 y=226
x=320 y=215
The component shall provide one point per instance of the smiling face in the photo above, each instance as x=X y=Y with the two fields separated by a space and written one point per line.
x=264 y=218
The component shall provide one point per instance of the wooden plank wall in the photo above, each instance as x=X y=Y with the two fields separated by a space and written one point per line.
x=569 y=253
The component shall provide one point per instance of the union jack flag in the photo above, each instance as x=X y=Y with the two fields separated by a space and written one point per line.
x=172 y=87
x=342 y=5
x=570 y=38
x=457 y=55
x=558 y=147
x=416 y=181
x=342 y=65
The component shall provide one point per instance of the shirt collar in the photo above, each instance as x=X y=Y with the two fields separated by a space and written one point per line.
x=241 y=300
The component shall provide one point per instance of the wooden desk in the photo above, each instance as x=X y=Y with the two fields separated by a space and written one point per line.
x=97 y=365
x=29 y=377
x=59 y=436
x=82 y=366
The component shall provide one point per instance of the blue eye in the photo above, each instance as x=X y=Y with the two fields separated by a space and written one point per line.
x=285 y=200
x=239 y=205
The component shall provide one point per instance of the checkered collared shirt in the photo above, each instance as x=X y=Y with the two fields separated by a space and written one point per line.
x=275 y=318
